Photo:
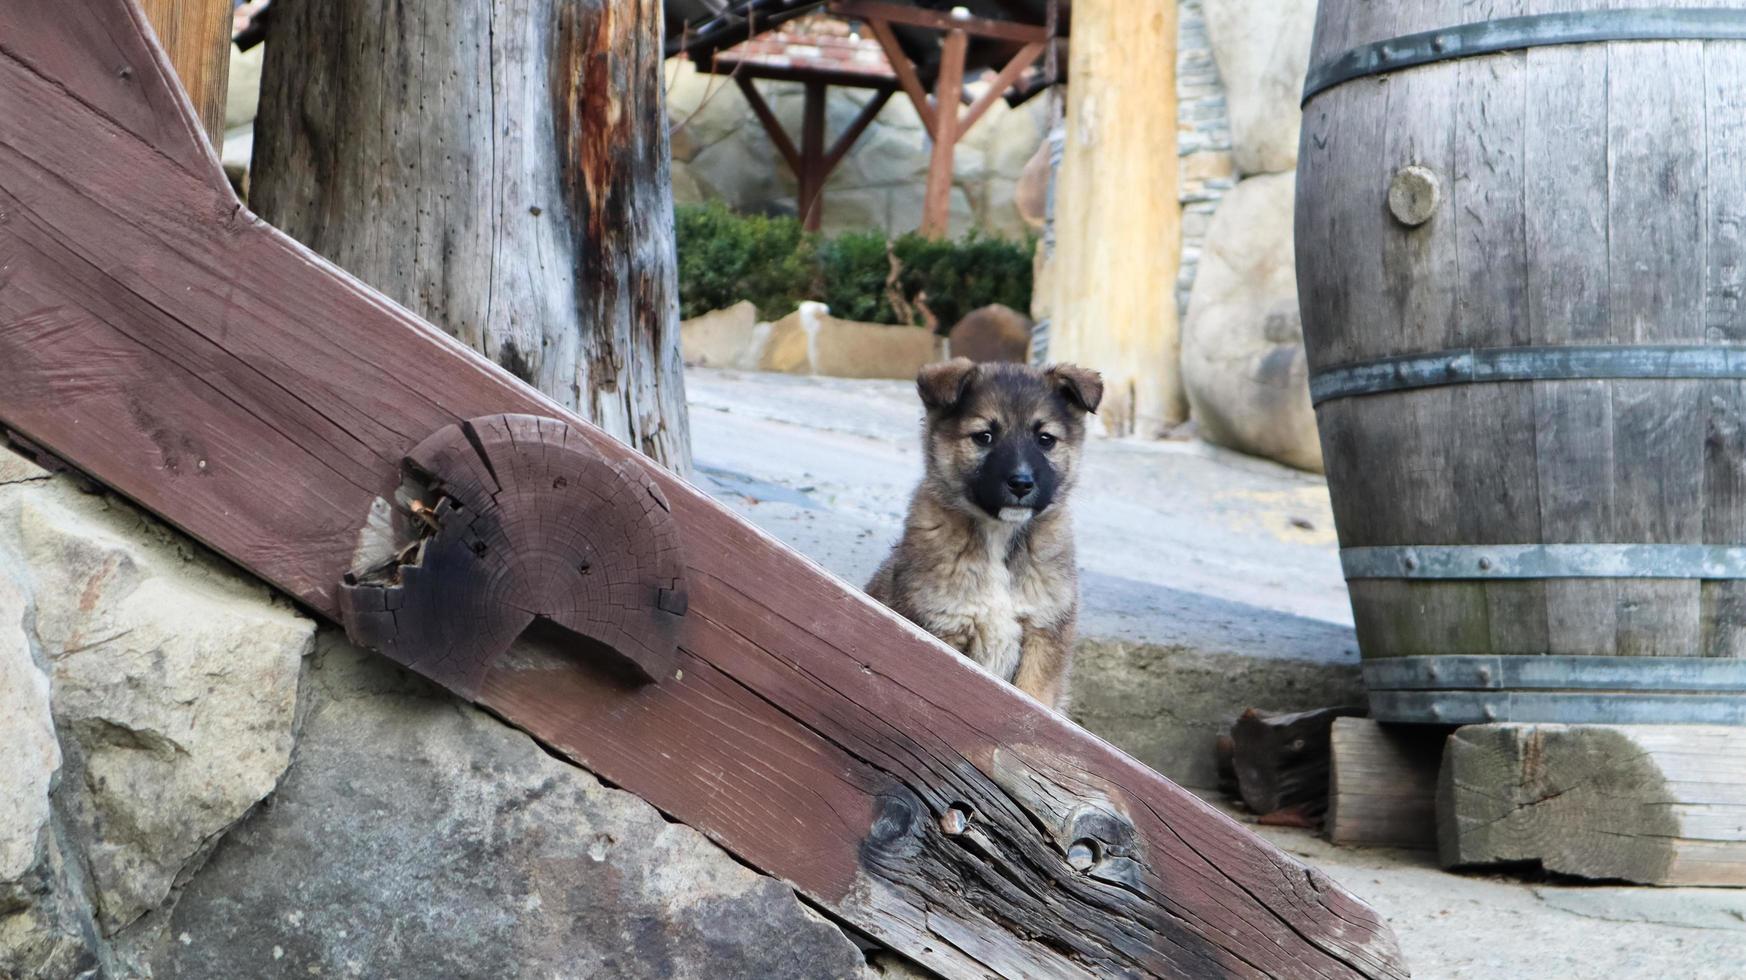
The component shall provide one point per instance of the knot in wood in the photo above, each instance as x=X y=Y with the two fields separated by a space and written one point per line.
x=517 y=522
x=1413 y=195
x=1082 y=854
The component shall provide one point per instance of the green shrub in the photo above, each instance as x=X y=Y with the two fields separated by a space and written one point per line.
x=961 y=276
x=853 y=268
x=726 y=257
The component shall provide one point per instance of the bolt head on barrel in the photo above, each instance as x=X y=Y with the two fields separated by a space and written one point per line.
x=1413 y=195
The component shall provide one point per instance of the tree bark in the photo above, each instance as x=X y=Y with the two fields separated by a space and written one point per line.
x=502 y=170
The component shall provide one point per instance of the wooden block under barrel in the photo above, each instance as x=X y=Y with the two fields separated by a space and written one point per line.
x=1281 y=761
x=1382 y=783
x=1655 y=804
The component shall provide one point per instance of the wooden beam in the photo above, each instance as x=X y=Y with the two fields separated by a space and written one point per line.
x=812 y=153
x=982 y=27
x=196 y=36
x=743 y=68
x=948 y=87
x=772 y=125
x=1281 y=760
x=1653 y=804
x=1015 y=66
x=906 y=76
x=1382 y=783
x=163 y=339
x=846 y=141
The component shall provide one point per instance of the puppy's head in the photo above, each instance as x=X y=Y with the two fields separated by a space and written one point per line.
x=1003 y=440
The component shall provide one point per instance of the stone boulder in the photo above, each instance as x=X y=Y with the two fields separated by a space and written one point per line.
x=728 y=337
x=811 y=341
x=171 y=682
x=1262 y=48
x=409 y=834
x=1243 y=362
x=992 y=333
x=29 y=754
x=175 y=689
x=417 y=836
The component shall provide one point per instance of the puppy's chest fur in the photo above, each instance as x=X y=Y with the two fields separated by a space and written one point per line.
x=981 y=586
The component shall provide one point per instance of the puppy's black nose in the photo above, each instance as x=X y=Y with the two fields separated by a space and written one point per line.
x=1021 y=485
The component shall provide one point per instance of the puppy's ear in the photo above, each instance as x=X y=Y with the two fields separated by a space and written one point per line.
x=1080 y=386
x=942 y=385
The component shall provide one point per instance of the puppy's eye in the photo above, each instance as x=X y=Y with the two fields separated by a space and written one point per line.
x=983 y=438
x=1045 y=440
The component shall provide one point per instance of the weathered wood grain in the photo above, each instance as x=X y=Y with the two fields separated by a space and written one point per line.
x=510 y=523
x=500 y=168
x=196 y=36
x=1566 y=221
x=1656 y=804
x=1723 y=610
x=1281 y=760
x=1592 y=197
x=1656 y=280
x=162 y=338
x=1382 y=783
x=948 y=88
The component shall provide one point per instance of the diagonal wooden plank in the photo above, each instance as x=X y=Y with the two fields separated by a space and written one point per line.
x=157 y=335
x=906 y=76
x=862 y=120
x=772 y=126
x=997 y=88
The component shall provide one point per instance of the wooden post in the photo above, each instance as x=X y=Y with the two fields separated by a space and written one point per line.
x=1118 y=237
x=196 y=36
x=948 y=91
x=1382 y=783
x=1653 y=804
x=502 y=169
x=812 y=172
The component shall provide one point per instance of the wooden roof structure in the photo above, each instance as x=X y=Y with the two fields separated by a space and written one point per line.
x=162 y=339
x=930 y=50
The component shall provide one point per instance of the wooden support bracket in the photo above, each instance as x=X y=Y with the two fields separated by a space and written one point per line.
x=517 y=522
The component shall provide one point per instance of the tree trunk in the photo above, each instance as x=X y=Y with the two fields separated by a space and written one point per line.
x=501 y=168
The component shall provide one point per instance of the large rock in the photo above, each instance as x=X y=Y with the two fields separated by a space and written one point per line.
x=811 y=341
x=174 y=688
x=992 y=333
x=1262 y=48
x=1243 y=362
x=29 y=754
x=728 y=337
x=416 y=836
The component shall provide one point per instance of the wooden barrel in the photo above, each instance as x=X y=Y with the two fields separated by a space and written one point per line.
x=1521 y=250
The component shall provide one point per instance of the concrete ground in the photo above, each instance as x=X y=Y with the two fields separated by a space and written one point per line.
x=1210 y=582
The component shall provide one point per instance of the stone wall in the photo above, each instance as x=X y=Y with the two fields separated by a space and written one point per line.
x=1240 y=73
x=721 y=152
x=199 y=781
x=1203 y=136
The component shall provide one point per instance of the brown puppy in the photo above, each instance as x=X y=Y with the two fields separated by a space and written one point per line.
x=986 y=560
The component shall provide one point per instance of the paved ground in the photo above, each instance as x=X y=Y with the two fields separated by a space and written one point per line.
x=1182 y=540
x=1178 y=528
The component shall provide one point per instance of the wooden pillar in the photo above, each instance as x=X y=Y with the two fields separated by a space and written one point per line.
x=1118 y=224
x=196 y=35
x=500 y=167
x=948 y=91
x=812 y=172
